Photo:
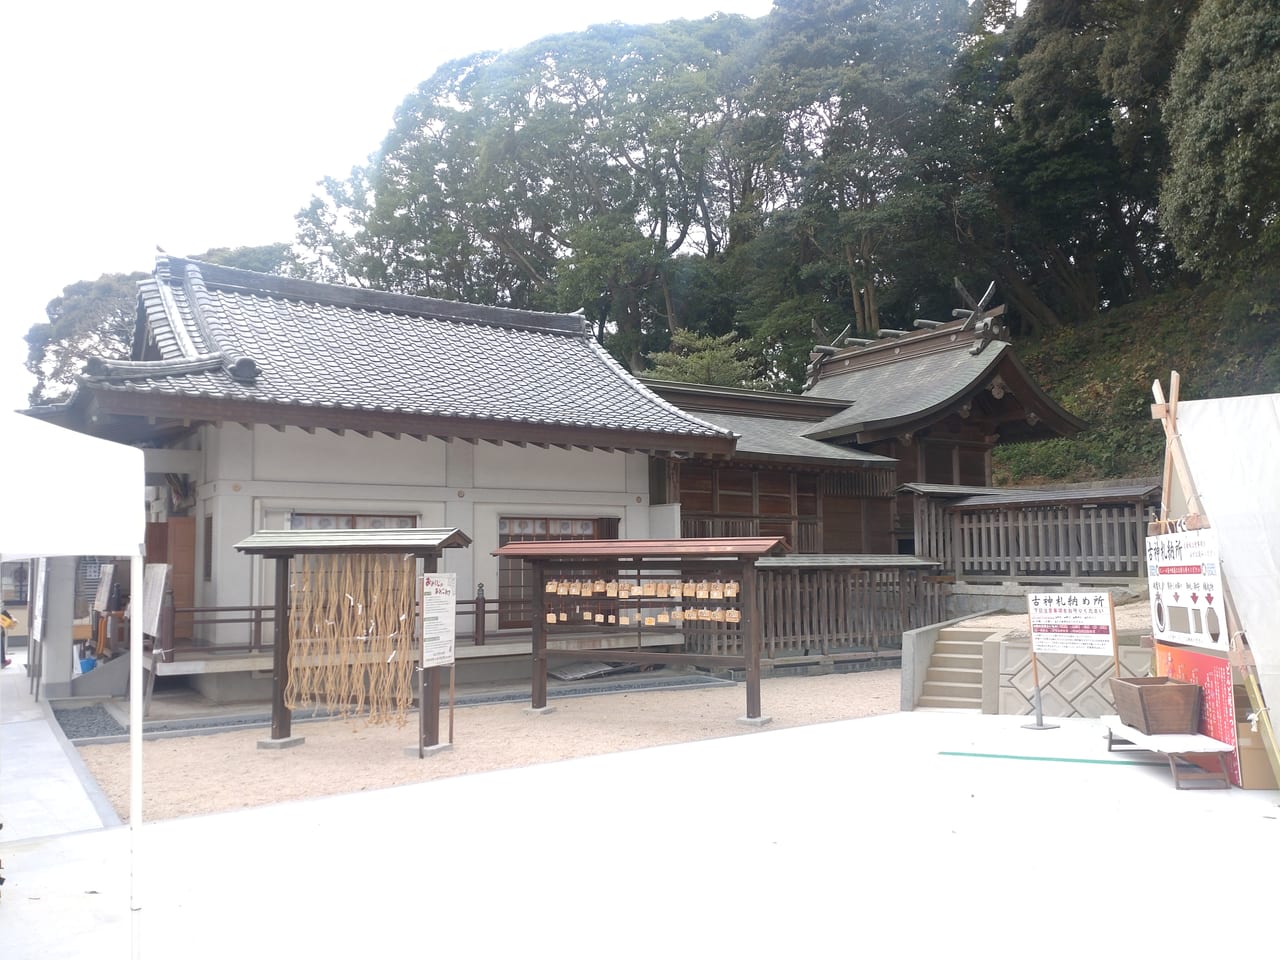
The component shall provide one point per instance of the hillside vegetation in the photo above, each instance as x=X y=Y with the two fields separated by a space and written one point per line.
x=1222 y=340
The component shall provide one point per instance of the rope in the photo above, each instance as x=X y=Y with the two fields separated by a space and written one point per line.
x=351 y=638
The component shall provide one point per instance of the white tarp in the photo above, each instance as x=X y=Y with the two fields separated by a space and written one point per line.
x=67 y=494
x=1233 y=450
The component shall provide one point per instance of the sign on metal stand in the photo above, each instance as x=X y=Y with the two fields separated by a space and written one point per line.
x=1075 y=624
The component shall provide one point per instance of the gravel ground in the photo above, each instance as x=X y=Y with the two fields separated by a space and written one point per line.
x=223 y=771
x=87 y=722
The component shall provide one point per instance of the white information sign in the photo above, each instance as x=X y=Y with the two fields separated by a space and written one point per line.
x=1071 y=623
x=439 y=606
x=1184 y=577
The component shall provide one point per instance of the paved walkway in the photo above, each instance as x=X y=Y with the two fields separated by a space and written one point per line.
x=45 y=789
x=919 y=834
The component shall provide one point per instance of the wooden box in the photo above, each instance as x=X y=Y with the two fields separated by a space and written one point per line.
x=1157 y=705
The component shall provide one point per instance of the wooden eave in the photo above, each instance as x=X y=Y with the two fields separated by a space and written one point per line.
x=173 y=412
x=693 y=398
x=420 y=542
x=717 y=548
x=768 y=461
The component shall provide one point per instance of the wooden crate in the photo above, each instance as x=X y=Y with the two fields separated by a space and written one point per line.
x=1157 y=705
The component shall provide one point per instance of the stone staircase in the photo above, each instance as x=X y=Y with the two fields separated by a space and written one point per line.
x=954 y=678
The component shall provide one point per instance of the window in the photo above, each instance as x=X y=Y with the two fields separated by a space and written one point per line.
x=349 y=521
x=515 y=577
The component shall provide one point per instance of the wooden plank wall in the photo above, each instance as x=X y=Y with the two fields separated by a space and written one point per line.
x=818 y=612
x=1068 y=541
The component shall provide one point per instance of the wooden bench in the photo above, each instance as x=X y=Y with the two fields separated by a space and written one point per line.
x=1176 y=747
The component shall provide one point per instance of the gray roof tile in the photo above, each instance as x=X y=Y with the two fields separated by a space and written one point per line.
x=778 y=437
x=901 y=390
x=320 y=345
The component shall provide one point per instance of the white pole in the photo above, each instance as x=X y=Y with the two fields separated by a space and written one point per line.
x=135 y=744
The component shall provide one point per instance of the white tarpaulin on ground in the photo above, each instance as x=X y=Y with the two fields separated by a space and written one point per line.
x=67 y=494
x=1233 y=449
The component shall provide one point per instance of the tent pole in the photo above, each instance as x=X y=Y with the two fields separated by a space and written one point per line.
x=135 y=743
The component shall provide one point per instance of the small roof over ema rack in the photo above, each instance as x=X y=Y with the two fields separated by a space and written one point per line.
x=419 y=541
x=746 y=548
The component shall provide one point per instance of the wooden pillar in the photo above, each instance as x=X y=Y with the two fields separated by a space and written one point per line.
x=281 y=717
x=431 y=706
x=430 y=679
x=751 y=641
x=538 y=695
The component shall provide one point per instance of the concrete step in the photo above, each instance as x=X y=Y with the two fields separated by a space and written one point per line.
x=961 y=661
x=967 y=691
x=959 y=646
x=940 y=674
x=966 y=634
x=950 y=703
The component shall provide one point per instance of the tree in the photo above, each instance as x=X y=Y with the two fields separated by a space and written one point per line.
x=1220 y=201
x=97 y=318
x=90 y=318
x=567 y=174
x=693 y=358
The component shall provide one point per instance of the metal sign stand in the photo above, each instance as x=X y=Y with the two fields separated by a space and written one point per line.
x=1035 y=678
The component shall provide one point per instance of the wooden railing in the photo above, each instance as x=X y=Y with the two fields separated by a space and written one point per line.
x=822 y=612
x=1052 y=541
x=805 y=612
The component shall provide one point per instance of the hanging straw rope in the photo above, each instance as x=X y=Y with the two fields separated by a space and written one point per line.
x=351 y=637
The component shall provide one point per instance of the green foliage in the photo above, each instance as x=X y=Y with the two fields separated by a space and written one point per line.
x=91 y=317
x=273 y=258
x=718 y=361
x=1221 y=198
x=1222 y=341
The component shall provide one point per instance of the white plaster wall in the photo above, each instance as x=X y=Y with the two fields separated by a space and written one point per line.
x=323 y=456
x=254 y=478
x=553 y=468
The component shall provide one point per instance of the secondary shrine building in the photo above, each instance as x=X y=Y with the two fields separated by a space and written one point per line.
x=271 y=403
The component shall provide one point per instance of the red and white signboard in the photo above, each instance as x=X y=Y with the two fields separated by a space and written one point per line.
x=1184 y=577
x=1079 y=624
x=439 y=604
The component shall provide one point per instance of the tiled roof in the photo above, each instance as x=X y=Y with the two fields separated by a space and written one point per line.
x=232 y=335
x=422 y=541
x=903 y=389
x=769 y=437
x=1013 y=497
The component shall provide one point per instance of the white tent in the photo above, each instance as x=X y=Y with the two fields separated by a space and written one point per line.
x=1233 y=450
x=66 y=494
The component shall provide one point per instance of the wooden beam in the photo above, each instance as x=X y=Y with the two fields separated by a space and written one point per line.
x=1174 y=455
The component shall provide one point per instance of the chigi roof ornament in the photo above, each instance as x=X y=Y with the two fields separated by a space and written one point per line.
x=984 y=323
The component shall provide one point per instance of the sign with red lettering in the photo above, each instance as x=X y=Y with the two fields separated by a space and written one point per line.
x=1184 y=578
x=1073 y=623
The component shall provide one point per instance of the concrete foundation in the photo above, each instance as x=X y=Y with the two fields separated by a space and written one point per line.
x=967 y=598
x=283 y=743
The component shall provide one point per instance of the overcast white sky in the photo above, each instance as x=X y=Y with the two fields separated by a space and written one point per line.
x=133 y=124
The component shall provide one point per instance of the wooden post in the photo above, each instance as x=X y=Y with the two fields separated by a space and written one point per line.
x=430 y=676
x=478 y=627
x=431 y=705
x=538 y=695
x=281 y=718
x=751 y=639
x=1115 y=635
